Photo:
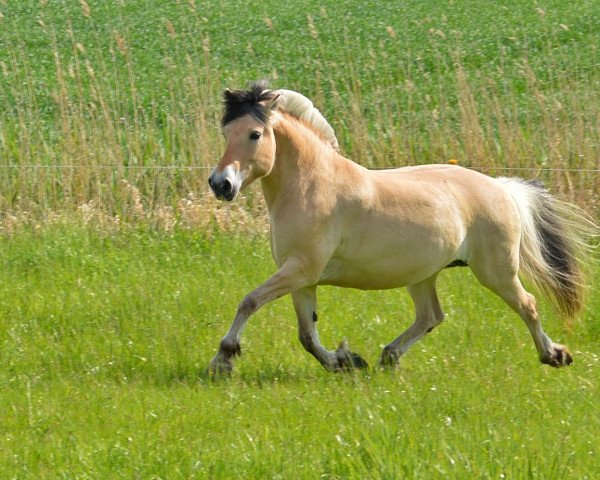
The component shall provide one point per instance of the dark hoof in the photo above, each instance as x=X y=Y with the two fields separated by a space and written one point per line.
x=221 y=365
x=389 y=358
x=218 y=369
x=348 y=360
x=356 y=361
x=560 y=357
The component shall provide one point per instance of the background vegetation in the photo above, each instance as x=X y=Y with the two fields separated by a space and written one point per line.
x=119 y=272
x=94 y=93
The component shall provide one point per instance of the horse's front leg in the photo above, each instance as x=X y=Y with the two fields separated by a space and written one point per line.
x=305 y=304
x=290 y=277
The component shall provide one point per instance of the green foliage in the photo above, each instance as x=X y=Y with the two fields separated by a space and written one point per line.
x=97 y=92
x=105 y=339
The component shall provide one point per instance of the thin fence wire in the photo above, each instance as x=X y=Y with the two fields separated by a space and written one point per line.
x=105 y=167
x=536 y=169
x=204 y=167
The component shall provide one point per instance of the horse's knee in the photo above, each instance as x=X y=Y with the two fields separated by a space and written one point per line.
x=438 y=318
x=520 y=301
x=430 y=329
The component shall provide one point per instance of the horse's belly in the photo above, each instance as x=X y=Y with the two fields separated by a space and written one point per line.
x=378 y=274
x=380 y=252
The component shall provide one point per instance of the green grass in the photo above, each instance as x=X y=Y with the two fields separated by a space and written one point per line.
x=258 y=40
x=105 y=338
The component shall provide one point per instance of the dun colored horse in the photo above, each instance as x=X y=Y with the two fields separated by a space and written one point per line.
x=334 y=222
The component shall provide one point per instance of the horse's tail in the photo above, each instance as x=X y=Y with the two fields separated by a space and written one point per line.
x=553 y=245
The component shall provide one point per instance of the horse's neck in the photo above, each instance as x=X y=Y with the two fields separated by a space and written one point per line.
x=300 y=159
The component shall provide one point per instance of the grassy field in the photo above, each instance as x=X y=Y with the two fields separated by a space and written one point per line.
x=94 y=93
x=104 y=341
x=119 y=273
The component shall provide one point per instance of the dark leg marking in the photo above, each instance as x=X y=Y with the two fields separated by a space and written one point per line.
x=348 y=360
x=230 y=350
x=429 y=329
x=562 y=357
x=248 y=305
x=307 y=343
x=315 y=316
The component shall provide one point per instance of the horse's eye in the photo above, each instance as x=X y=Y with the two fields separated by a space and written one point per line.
x=254 y=136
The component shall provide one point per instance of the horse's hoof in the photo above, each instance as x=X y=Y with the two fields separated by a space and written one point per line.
x=348 y=360
x=388 y=359
x=357 y=361
x=559 y=357
x=219 y=368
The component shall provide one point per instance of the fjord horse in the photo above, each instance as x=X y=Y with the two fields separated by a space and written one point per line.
x=334 y=222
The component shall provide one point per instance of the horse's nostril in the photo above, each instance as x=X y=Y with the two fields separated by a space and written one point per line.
x=223 y=188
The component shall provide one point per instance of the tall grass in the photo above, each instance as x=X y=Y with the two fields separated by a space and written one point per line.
x=112 y=110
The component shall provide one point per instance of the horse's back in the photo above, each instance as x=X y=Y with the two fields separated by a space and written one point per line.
x=434 y=184
x=476 y=204
x=468 y=191
x=419 y=218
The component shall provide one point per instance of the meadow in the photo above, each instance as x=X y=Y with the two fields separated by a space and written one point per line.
x=119 y=272
x=105 y=341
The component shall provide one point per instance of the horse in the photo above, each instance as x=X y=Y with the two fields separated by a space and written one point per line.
x=335 y=222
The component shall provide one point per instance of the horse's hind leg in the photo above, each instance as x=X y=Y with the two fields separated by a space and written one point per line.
x=305 y=304
x=504 y=282
x=428 y=315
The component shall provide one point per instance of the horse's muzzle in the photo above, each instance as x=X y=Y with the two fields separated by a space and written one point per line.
x=222 y=187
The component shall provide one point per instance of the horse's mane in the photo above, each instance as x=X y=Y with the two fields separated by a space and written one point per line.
x=248 y=102
x=300 y=107
x=243 y=102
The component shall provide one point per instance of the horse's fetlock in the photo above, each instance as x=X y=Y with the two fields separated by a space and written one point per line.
x=389 y=357
x=387 y=351
x=230 y=349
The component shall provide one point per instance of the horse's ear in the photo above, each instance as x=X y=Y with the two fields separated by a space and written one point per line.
x=272 y=103
x=227 y=94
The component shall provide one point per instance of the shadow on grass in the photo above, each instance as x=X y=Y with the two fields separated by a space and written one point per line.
x=192 y=375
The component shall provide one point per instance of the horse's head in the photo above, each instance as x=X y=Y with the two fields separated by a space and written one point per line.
x=250 y=150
